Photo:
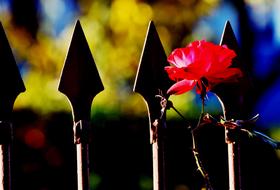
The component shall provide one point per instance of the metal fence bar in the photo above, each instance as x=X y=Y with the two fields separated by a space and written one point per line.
x=152 y=80
x=5 y=157
x=11 y=86
x=232 y=97
x=80 y=82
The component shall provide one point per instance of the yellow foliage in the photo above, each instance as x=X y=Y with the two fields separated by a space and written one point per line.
x=115 y=33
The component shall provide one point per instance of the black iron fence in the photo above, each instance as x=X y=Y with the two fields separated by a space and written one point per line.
x=237 y=163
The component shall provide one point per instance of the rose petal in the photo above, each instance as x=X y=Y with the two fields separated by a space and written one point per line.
x=228 y=75
x=175 y=73
x=180 y=57
x=222 y=59
x=181 y=87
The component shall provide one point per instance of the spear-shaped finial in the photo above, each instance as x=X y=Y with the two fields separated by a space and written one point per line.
x=80 y=82
x=233 y=95
x=11 y=85
x=228 y=38
x=152 y=80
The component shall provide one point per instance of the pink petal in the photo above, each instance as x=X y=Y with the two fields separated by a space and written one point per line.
x=181 y=87
x=228 y=75
x=198 y=69
x=222 y=59
x=175 y=73
x=179 y=57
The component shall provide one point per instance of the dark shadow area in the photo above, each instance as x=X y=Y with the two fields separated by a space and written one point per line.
x=43 y=155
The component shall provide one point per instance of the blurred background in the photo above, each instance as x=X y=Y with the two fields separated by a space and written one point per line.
x=39 y=33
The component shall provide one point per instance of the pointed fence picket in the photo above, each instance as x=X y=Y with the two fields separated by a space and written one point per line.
x=231 y=96
x=8 y=94
x=151 y=81
x=80 y=82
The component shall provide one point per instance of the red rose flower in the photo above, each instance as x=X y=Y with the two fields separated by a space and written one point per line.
x=201 y=64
